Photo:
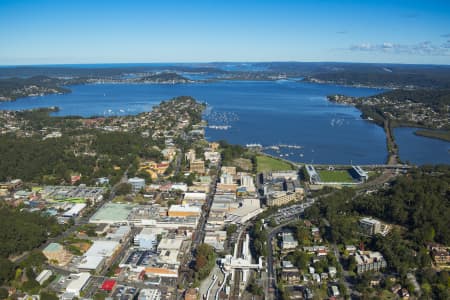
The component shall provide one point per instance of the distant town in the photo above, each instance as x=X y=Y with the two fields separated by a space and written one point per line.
x=143 y=207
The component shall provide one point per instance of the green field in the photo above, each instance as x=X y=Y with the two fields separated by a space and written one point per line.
x=266 y=163
x=335 y=176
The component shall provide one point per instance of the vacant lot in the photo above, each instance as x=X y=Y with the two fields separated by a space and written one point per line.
x=335 y=176
x=266 y=163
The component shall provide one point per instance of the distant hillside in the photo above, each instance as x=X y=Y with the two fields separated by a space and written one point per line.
x=434 y=98
x=168 y=77
x=390 y=76
x=13 y=88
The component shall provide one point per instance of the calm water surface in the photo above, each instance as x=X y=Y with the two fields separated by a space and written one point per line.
x=268 y=113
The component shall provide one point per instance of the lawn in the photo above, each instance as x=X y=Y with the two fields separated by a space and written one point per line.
x=266 y=163
x=335 y=176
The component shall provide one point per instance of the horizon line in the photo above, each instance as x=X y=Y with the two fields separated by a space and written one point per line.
x=219 y=62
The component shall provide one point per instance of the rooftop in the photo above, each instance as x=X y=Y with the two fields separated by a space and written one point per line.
x=112 y=213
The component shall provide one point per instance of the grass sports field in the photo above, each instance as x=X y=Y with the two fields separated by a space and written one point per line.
x=266 y=163
x=335 y=176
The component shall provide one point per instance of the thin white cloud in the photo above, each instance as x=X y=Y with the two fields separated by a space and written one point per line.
x=425 y=48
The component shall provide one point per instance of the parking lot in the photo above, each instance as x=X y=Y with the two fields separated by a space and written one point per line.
x=287 y=213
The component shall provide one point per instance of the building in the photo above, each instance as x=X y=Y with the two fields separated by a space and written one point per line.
x=289 y=273
x=77 y=283
x=191 y=294
x=212 y=156
x=228 y=170
x=288 y=241
x=195 y=198
x=108 y=285
x=360 y=173
x=75 y=210
x=226 y=178
x=369 y=226
x=111 y=213
x=137 y=184
x=248 y=182
x=98 y=255
x=146 y=239
x=286 y=175
x=441 y=255
x=280 y=198
x=184 y=211
x=170 y=244
x=149 y=294
x=197 y=166
x=369 y=261
x=43 y=276
x=56 y=253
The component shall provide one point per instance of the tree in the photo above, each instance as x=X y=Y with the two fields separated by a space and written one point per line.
x=3 y=293
x=123 y=189
x=48 y=296
x=6 y=270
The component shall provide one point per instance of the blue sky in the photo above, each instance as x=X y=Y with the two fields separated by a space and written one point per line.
x=54 y=32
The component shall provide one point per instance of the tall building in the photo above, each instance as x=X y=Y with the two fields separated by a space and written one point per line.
x=369 y=226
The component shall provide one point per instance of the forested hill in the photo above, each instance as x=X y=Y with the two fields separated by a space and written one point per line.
x=13 y=88
x=435 y=98
x=165 y=77
x=389 y=76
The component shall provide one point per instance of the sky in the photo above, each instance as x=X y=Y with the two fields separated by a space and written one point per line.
x=134 y=31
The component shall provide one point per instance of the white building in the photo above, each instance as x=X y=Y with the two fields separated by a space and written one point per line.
x=247 y=181
x=226 y=178
x=95 y=258
x=75 y=210
x=288 y=241
x=43 y=276
x=179 y=187
x=77 y=283
x=149 y=294
x=136 y=184
x=146 y=240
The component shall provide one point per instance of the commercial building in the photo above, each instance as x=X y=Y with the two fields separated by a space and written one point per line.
x=75 y=210
x=280 y=198
x=184 y=211
x=111 y=213
x=98 y=255
x=149 y=294
x=77 y=283
x=195 y=198
x=146 y=239
x=170 y=244
x=137 y=184
x=369 y=226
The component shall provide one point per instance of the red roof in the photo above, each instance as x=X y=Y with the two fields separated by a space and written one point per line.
x=108 y=285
